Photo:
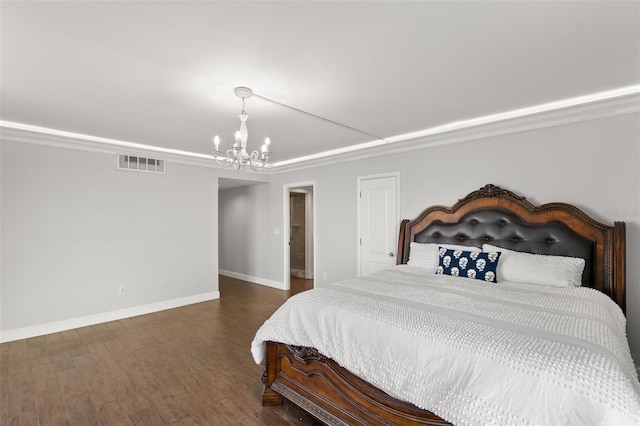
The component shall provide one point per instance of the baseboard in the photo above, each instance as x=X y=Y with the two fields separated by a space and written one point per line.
x=57 y=326
x=256 y=280
x=297 y=273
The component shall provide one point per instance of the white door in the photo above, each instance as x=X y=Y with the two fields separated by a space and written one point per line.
x=378 y=223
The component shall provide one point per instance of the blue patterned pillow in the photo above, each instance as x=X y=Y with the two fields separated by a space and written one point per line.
x=468 y=264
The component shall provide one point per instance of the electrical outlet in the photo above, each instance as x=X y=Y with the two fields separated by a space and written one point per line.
x=324 y=275
x=122 y=289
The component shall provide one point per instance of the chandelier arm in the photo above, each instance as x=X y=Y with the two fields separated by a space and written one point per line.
x=222 y=161
x=231 y=158
x=255 y=163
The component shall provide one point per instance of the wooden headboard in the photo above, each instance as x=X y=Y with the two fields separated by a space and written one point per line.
x=496 y=216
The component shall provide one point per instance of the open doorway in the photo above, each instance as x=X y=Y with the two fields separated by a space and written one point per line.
x=299 y=238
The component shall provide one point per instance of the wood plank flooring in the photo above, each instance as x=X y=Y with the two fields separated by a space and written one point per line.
x=184 y=366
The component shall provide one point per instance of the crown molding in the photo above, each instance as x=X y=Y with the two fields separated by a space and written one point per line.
x=15 y=132
x=585 y=108
x=476 y=129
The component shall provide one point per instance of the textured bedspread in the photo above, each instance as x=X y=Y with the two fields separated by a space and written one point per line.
x=473 y=353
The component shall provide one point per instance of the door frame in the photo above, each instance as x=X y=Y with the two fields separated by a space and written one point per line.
x=359 y=202
x=310 y=213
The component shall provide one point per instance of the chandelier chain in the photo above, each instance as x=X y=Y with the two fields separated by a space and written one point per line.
x=320 y=117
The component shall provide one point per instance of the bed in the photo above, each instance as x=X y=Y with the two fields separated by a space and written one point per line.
x=560 y=375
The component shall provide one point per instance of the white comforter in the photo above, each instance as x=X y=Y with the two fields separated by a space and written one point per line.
x=472 y=352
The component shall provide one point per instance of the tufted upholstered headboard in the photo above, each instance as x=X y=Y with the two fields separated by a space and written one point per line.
x=499 y=217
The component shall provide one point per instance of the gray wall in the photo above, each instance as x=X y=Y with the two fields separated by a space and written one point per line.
x=594 y=165
x=74 y=228
x=244 y=225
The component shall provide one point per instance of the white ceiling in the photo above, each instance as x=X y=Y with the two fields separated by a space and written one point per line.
x=163 y=73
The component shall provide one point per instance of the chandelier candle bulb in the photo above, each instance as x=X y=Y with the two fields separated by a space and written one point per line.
x=265 y=146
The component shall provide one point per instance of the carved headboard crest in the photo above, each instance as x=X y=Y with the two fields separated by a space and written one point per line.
x=490 y=190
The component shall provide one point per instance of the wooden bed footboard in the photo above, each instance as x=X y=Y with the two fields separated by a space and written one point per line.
x=331 y=393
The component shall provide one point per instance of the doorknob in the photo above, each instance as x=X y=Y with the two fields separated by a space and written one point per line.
x=391 y=254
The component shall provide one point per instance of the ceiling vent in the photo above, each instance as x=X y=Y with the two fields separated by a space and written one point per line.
x=140 y=164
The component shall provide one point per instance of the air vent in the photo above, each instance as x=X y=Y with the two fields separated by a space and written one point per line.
x=140 y=164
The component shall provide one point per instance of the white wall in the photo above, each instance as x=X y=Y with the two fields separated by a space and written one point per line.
x=593 y=164
x=74 y=228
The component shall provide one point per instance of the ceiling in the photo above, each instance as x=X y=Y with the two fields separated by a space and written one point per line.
x=163 y=73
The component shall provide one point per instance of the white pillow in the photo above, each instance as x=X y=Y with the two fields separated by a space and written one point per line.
x=557 y=271
x=426 y=256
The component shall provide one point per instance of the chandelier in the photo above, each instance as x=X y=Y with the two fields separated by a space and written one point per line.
x=237 y=156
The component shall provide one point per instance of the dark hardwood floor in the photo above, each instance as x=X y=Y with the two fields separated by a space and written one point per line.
x=184 y=366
